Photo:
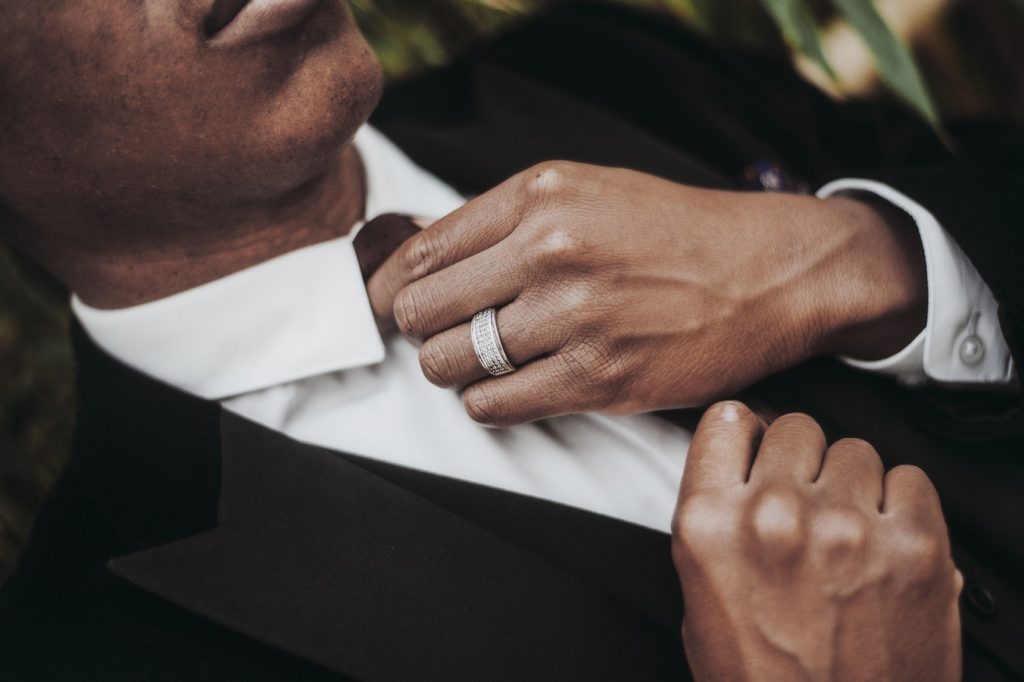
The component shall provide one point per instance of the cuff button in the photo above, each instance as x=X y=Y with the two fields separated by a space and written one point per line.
x=972 y=350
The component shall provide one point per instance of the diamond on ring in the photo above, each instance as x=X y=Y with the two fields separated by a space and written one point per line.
x=487 y=343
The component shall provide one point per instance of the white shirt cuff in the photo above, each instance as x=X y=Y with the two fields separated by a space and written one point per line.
x=962 y=341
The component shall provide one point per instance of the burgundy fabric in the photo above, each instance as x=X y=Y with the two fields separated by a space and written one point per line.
x=379 y=238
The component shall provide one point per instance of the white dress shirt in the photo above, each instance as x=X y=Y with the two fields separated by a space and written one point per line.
x=962 y=342
x=291 y=344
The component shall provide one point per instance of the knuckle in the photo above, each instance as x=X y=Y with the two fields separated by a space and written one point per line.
x=484 y=407
x=418 y=308
x=839 y=533
x=422 y=254
x=610 y=375
x=436 y=363
x=547 y=179
x=407 y=311
x=581 y=302
x=603 y=367
x=589 y=368
x=777 y=520
x=573 y=379
x=928 y=549
x=577 y=370
x=918 y=555
x=701 y=523
x=556 y=242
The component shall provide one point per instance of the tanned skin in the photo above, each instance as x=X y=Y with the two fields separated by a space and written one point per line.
x=621 y=292
x=138 y=160
x=800 y=561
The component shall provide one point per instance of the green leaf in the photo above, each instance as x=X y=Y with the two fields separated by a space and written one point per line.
x=703 y=13
x=697 y=13
x=896 y=65
x=797 y=25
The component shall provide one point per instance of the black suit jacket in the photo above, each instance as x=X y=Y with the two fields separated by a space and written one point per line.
x=183 y=542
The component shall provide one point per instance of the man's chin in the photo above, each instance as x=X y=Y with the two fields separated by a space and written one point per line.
x=297 y=151
x=316 y=116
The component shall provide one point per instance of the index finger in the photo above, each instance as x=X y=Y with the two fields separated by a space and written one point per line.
x=723 y=447
x=476 y=226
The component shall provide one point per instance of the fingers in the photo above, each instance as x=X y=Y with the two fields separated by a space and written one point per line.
x=477 y=226
x=449 y=361
x=453 y=295
x=853 y=471
x=794 y=450
x=918 y=537
x=548 y=387
x=909 y=493
x=791 y=450
x=723 y=447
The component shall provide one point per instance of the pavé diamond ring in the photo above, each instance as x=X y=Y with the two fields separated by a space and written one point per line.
x=487 y=343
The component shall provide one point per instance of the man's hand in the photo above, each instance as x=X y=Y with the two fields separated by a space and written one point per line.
x=804 y=563
x=620 y=292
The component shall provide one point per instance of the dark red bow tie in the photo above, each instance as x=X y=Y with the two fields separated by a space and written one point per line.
x=379 y=238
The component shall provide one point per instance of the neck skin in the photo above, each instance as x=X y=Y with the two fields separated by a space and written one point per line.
x=324 y=208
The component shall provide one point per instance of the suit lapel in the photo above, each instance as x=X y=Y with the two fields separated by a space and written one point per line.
x=333 y=563
x=629 y=565
x=512 y=122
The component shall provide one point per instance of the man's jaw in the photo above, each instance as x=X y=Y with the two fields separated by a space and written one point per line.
x=236 y=23
x=180 y=255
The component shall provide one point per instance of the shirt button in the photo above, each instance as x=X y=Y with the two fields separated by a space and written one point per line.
x=972 y=350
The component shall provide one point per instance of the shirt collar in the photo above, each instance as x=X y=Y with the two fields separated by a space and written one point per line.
x=298 y=315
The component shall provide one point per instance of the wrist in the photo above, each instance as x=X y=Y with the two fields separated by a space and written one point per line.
x=875 y=300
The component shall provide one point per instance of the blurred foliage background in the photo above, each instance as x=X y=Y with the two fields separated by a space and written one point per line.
x=944 y=58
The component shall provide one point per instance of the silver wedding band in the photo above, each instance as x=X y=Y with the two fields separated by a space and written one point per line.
x=487 y=343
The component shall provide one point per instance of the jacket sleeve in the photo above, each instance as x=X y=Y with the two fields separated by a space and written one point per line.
x=978 y=198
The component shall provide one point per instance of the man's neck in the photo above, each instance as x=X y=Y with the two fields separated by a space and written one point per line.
x=325 y=208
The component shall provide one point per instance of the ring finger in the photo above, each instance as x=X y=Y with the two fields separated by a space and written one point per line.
x=449 y=361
